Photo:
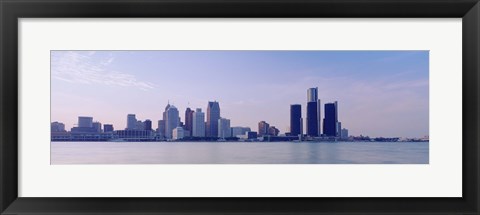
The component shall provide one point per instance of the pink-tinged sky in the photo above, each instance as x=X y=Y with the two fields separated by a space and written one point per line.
x=380 y=93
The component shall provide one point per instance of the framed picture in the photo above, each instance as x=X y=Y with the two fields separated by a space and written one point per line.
x=258 y=107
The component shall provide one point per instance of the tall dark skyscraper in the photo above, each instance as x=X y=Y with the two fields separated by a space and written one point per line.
x=213 y=115
x=312 y=116
x=189 y=120
x=330 y=122
x=296 y=122
x=313 y=113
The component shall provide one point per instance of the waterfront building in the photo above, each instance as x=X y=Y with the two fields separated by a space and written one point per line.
x=172 y=121
x=252 y=135
x=97 y=126
x=189 y=120
x=161 y=128
x=239 y=131
x=131 y=122
x=344 y=133
x=330 y=122
x=178 y=133
x=134 y=135
x=263 y=128
x=198 y=120
x=107 y=128
x=85 y=121
x=313 y=113
x=57 y=127
x=147 y=125
x=224 y=128
x=339 y=129
x=296 y=122
x=213 y=115
x=273 y=131
x=139 y=126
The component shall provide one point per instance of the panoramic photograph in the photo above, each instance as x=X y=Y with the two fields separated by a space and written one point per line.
x=239 y=107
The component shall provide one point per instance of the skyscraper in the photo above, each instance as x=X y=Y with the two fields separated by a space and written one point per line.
x=189 y=120
x=161 y=128
x=131 y=122
x=224 y=128
x=198 y=129
x=213 y=115
x=263 y=128
x=313 y=113
x=330 y=122
x=172 y=121
x=296 y=120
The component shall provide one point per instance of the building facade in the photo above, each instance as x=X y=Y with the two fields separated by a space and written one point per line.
x=313 y=113
x=330 y=122
x=189 y=120
x=224 y=128
x=172 y=121
x=213 y=115
x=296 y=122
x=262 y=128
x=198 y=123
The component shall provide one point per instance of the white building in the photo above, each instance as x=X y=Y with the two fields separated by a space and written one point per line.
x=224 y=128
x=172 y=121
x=131 y=122
x=198 y=127
x=178 y=133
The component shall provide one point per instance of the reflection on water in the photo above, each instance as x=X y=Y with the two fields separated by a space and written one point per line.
x=239 y=153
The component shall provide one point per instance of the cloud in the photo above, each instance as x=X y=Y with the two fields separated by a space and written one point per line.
x=82 y=68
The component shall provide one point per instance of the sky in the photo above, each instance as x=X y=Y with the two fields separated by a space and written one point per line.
x=379 y=93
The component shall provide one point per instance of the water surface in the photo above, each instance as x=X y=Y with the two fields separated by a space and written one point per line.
x=239 y=153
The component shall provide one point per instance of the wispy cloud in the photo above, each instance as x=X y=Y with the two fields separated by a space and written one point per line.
x=80 y=67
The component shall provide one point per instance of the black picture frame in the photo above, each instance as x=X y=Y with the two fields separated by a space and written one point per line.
x=12 y=10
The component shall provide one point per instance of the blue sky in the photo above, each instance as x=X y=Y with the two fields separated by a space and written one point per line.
x=380 y=93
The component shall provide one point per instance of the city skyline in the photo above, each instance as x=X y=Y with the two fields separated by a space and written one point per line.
x=394 y=102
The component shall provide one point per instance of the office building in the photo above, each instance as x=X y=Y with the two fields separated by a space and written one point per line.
x=131 y=122
x=296 y=122
x=161 y=128
x=330 y=122
x=172 y=121
x=313 y=113
x=273 y=131
x=198 y=123
x=178 y=133
x=139 y=126
x=107 y=128
x=224 y=128
x=239 y=131
x=262 y=128
x=85 y=122
x=339 y=128
x=147 y=125
x=344 y=134
x=57 y=127
x=213 y=115
x=251 y=135
x=97 y=126
x=189 y=120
